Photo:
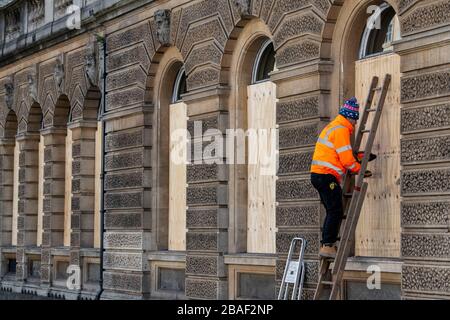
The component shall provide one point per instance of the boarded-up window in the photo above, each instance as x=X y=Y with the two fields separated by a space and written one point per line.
x=261 y=168
x=68 y=189
x=378 y=231
x=98 y=187
x=40 y=192
x=177 y=176
x=15 y=212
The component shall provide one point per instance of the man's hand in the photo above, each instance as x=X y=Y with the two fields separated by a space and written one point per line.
x=368 y=174
x=360 y=157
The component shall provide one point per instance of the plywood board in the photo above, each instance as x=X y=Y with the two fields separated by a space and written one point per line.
x=15 y=213
x=177 y=177
x=68 y=189
x=261 y=114
x=98 y=186
x=40 y=192
x=378 y=231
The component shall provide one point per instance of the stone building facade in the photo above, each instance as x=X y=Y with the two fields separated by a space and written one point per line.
x=90 y=106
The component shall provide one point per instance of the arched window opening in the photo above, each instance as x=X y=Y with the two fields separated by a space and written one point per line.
x=264 y=63
x=381 y=30
x=180 y=86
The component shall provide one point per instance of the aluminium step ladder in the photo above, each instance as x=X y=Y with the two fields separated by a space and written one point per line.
x=294 y=273
x=355 y=197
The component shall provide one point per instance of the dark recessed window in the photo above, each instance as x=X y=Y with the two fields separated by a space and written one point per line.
x=11 y=265
x=379 y=32
x=264 y=63
x=180 y=86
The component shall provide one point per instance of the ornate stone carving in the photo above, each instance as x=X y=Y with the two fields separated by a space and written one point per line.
x=426 y=17
x=91 y=62
x=426 y=149
x=423 y=214
x=206 y=289
x=120 y=281
x=32 y=85
x=425 y=118
x=36 y=12
x=162 y=22
x=300 y=109
x=426 y=278
x=425 y=181
x=295 y=162
x=297 y=53
x=59 y=74
x=426 y=246
x=123 y=200
x=298 y=216
x=124 y=140
x=124 y=180
x=243 y=7
x=292 y=27
x=123 y=240
x=13 y=23
x=202 y=265
x=425 y=86
x=298 y=136
x=283 y=241
x=295 y=190
x=9 y=92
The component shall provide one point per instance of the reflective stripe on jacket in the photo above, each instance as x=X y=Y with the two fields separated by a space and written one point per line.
x=333 y=153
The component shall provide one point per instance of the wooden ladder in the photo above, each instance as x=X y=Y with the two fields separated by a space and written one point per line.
x=355 y=197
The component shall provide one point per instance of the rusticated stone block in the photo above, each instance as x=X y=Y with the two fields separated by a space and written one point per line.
x=123 y=240
x=298 y=53
x=206 y=172
x=76 y=167
x=296 y=110
x=206 y=241
x=202 y=78
x=423 y=245
x=424 y=118
x=434 y=213
x=299 y=136
x=207 y=218
x=197 y=127
x=206 y=195
x=281 y=7
x=46 y=256
x=135 y=34
x=128 y=76
x=206 y=289
x=311 y=271
x=426 y=17
x=425 y=181
x=295 y=190
x=203 y=265
x=426 y=279
x=297 y=216
x=123 y=281
x=123 y=200
x=124 y=180
x=133 y=55
x=76 y=185
x=209 y=52
x=75 y=203
x=76 y=150
x=126 y=261
x=283 y=241
x=425 y=149
x=126 y=97
x=292 y=27
x=123 y=220
x=122 y=140
x=413 y=88
x=124 y=160
x=297 y=162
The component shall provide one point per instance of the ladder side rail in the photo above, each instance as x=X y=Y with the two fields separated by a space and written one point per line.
x=283 y=289
x=365 y=114
x=300 y=265
x=354 y=223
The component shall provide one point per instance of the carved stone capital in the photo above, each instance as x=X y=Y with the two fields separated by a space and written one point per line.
x=243 y=7
x=162 y=22
x=9 y=92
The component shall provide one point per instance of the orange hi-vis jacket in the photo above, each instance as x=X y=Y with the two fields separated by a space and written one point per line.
x=334 y=154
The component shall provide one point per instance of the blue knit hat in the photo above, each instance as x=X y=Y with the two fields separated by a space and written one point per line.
x=350 y=109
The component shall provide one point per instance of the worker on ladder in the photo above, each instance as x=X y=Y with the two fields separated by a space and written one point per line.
x=332 y=158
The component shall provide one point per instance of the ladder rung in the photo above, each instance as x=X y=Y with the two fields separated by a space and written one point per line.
x=348 y=195
x=377 y=88
x=366 y=131
x=372 y=110
x=328 y=283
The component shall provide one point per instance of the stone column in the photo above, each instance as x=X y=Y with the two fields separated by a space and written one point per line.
x=28 y=199
x=83 y=188
x=207 y=201
x=425 y=153
x=127 y=202
x=54 y=188
x=6 y=196
x=298 y=212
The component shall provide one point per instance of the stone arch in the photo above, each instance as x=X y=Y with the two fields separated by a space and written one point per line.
x=168 y=61
x=237 y=67
x=11 y=125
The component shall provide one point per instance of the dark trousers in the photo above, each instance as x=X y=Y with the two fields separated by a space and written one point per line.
x=331 y=196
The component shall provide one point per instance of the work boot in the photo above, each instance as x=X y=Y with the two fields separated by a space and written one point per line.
x=328 y=251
